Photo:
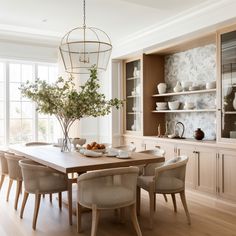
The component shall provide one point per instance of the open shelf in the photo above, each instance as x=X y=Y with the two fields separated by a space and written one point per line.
x=133 y=78
x=184 y=111
x=135 y=96
x=134 y=113
x=185 y=93
x=230 y=112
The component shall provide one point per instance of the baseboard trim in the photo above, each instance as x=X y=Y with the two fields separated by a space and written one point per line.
x=213 y=202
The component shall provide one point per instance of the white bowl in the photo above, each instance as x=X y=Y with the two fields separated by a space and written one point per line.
x=174 y=105
x=211 y=85
x=188 y=105
x=161 y=105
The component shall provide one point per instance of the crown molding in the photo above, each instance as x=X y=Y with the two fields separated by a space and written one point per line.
x=202 y=19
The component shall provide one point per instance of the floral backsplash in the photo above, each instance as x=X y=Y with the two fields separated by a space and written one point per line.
x=197 y=65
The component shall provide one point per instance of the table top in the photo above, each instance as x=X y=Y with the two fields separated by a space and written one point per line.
x=69 y=162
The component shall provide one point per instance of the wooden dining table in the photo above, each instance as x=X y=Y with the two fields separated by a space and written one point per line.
x=71 y=162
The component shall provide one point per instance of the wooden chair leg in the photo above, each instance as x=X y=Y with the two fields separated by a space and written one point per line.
x=23 y=204
x=154 y=203
x=36 y=209
x=18 y=190
x=9 y=188
x=122 y=215
x=174 y=202
x=183 y=199
x=135 y=219
x=151 y=203
x=2 y=180
x=165 y=197
x=59 y=200
x=50 y=197
x=69 y=194
x=78 y=213
x=95 y=219
x=138 y=199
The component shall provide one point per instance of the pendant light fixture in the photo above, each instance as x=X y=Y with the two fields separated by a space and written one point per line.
x=84 y=47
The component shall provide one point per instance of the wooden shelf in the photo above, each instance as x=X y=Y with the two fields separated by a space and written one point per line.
x=185 y=93
x=135 y=96
x=184 y=111
x=133 y=78
x=230 y=112
x=134 y=113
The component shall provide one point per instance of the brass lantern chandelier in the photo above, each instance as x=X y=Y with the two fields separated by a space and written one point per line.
x=84 y=47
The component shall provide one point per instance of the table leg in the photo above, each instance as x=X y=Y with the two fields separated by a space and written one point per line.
x=70 y=200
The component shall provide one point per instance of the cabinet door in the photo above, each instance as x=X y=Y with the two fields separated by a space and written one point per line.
x=227 y=175
x=206 y=170
x=190 y=178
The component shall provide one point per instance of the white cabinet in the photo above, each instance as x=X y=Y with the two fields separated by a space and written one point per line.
x=227 y=174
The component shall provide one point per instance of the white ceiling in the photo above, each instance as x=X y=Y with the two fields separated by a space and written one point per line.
x=118 y=18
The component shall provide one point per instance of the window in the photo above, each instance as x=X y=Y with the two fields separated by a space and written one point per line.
x=19 y=121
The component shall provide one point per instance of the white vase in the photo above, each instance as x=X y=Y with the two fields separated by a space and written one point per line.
x=234 y=101
x=178 y=87
x=161 y=88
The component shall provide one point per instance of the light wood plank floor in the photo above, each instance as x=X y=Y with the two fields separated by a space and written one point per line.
x=205 y=220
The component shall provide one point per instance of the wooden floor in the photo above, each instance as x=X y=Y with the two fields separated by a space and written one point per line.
x=52 y=222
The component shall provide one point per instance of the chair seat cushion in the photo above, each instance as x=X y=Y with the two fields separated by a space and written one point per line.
x=107 y=197
x=163 y=184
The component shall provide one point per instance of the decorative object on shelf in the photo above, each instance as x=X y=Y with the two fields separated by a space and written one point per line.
x=159 y=130
x=161 y=105
x=84 y=47
x=234 y=101
x=232 y=134
x=136 y=72
x=178 y=87
x=161 y=87
x=176 y=133
x=63 y=100
x=174 y=105
x=199 y=134
x=188 y=105
x=78 y=141
x=186 y=85
x=211 y=85
x=193 y=88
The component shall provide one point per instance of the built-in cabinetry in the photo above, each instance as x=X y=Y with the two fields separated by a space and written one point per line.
x=227 y=82
x=141 y=76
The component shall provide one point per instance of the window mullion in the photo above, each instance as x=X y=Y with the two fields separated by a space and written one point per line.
x=7 y=104
x=35 y=115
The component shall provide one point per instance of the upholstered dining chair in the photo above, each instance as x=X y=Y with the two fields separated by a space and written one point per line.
x=149 y=170
x=107 y=189
x=14 y=172
x=37 y=143
x=3 y=168
x=167 y=179
x=39 y=179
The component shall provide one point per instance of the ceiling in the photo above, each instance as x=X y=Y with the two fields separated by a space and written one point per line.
x=118 y=18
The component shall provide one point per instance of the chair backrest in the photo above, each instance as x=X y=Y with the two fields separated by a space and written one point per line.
x=128 y=148
x=175 y=168
x=14 y=169
x=40 y=179
x=36 y=143
x=149 y=169
x=3 y=164
x=111 y=185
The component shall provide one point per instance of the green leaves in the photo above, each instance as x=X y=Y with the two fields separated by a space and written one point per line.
x=63 y=100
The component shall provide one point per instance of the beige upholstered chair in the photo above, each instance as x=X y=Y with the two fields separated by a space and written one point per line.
x=107 y=189
x=39 y=179
x=3 y=167
x=168 y=179
x=37 y=143
x=149 y=170
x=14 y=172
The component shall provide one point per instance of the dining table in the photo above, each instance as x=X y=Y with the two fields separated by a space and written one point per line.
x=75 y=162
